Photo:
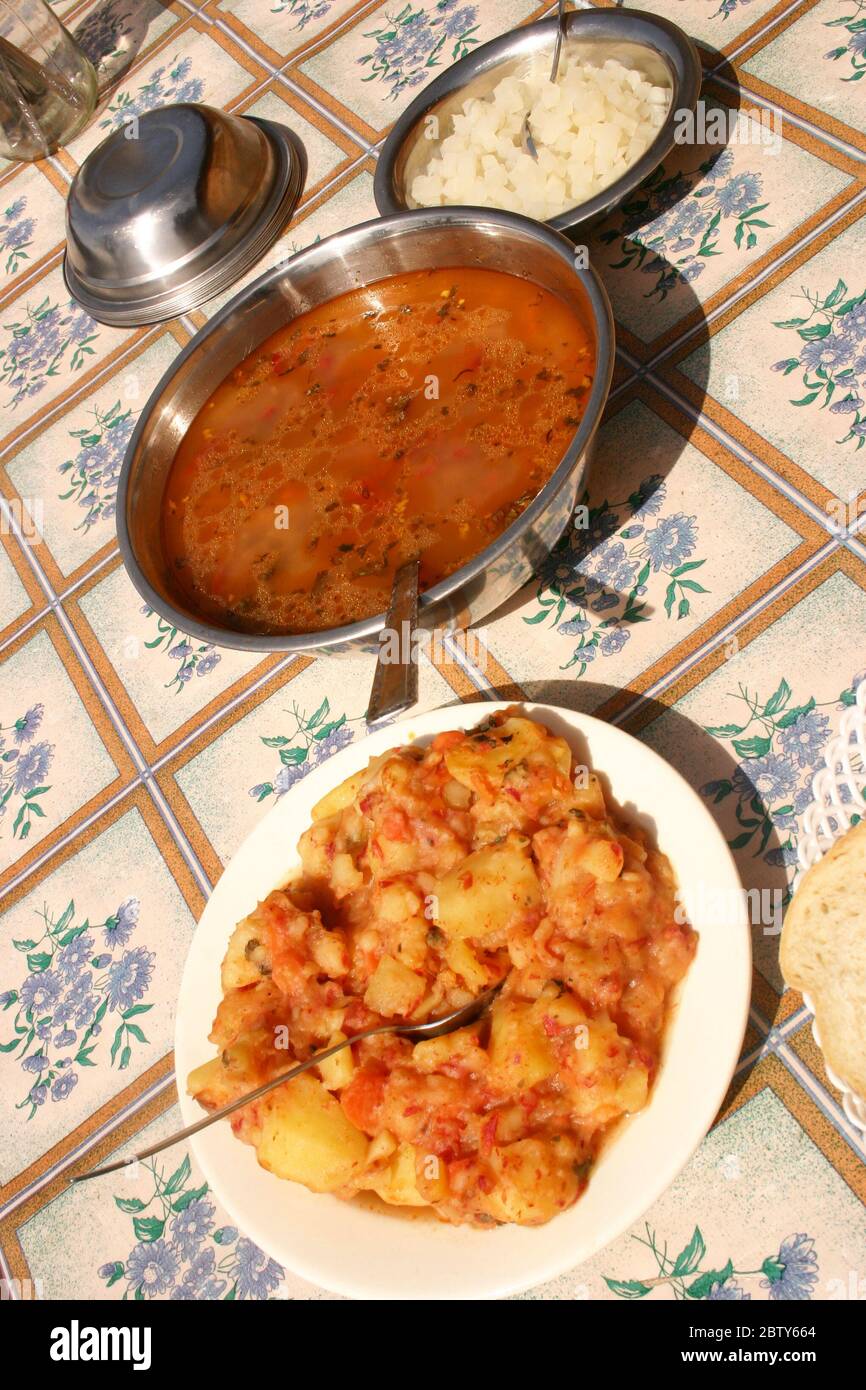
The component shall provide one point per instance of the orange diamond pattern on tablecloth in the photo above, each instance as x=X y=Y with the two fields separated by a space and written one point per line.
x=719 y=608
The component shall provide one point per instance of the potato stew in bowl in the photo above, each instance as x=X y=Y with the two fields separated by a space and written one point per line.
x=427 y=878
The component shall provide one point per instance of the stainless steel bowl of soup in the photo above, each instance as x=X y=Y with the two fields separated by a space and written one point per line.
x=428 y=384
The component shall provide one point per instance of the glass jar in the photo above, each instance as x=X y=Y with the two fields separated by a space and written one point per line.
x=47 y=84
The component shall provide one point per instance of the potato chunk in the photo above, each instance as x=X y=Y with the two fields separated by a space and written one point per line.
x=603 y=1073
x=482 y=761
x=231 y=1074
x=520 y=1054
x=589 y=798
x=464 y=962
x=531 y=1185
x=307 y=1138
x=397 y=1183
x=456 y=1050
x=488 y=890
x=240 y=1011
x=431 y=1177
x=603 y=859
x=346 y=877
x=340 y=798
x=558 y=1013
x=393 y=989
x=337 y=1071
x=246 y=959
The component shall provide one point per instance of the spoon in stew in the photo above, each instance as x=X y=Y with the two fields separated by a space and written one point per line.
x=395 y=684
x=433 y=1028
x=525 y=133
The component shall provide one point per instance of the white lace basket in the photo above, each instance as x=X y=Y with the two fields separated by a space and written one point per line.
x=824 y=821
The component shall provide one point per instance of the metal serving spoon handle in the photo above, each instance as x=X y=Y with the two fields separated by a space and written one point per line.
x=526 y=134
x=560 y=35
x=395 y=684
x=434 y=1028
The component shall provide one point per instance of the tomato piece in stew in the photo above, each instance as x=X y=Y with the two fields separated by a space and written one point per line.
x=416 y=416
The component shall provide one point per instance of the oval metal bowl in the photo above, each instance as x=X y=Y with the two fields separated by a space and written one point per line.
x=361 y=256
x=655 y=46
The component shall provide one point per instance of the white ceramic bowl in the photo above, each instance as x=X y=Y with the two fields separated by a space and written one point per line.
x=370 y=1252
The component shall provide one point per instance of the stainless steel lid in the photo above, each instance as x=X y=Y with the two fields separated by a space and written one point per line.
x=172 y=209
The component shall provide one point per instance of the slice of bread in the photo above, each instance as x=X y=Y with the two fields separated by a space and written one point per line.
x=823 y=952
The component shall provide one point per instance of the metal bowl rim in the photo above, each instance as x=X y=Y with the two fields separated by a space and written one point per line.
x=367 y=629
x=684 y=94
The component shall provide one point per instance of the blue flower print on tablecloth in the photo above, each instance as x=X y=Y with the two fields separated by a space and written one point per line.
x=779 y=743
x=312 y=742
x=303 y=12
x=853 y=50
x=793 y=1273
x=25 y=762
x=727 y=7
x=789 y=1275
x=186 y=656
x=48 y=338
x=831 y=358
x=81 y=980
x=92 y=473
x=411 y=43
x=675 y=222
x=594 y=585
x=170 y=82
x=111 y=35
x=16 y=233
x=180 y=1252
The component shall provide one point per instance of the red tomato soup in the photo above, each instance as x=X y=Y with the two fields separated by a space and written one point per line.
x=416 y=416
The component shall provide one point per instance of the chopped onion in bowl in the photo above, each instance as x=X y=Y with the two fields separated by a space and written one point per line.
x=589 y=127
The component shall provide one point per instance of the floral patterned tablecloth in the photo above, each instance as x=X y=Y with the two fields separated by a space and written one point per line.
x=715 y=607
